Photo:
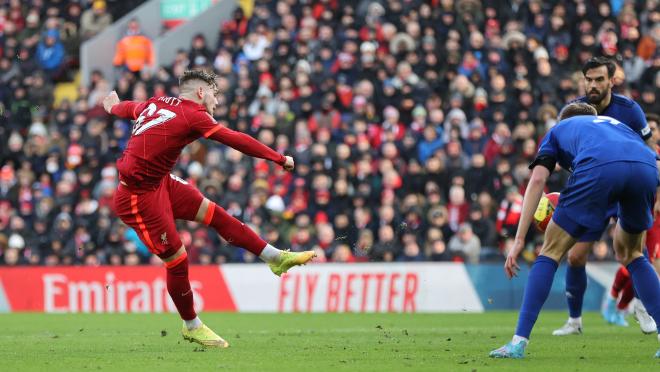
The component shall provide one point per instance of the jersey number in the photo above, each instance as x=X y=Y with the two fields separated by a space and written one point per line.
x=606 y=119
x=148 y=114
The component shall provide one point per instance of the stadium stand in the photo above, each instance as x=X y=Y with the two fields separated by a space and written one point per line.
x=412 y=123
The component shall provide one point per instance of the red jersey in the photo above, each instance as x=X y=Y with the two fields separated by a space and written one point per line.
x=163 y=127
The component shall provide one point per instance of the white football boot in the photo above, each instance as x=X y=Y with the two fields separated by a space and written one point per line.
x=571 y=327
x=646 y=323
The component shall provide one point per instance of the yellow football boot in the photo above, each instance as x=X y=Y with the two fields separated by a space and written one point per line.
x=289 y=260
x=204 y=336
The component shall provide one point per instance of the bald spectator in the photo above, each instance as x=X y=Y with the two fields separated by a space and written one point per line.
x=466 y=244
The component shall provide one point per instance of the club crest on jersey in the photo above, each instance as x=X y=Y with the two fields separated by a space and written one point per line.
x=163 y=239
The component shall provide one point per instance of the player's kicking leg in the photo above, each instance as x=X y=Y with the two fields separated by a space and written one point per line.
x=238 y=234
x=557 y=242
x=189 y=204
x=576 y=285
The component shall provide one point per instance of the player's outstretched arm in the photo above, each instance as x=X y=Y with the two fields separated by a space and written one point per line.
x=249 y=146
x=531 y=199
x=125 y=109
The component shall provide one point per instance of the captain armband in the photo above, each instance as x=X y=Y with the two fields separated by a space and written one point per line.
x=544 y=160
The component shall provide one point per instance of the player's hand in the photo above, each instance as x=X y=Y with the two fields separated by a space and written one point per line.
x=511 y=267
x=289 y=164
x=109 y=101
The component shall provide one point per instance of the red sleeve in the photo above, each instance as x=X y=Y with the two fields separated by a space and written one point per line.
x=209 y=128
x=128 y=109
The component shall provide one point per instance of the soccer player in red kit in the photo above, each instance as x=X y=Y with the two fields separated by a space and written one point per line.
x=622 y=292
x=149 y=198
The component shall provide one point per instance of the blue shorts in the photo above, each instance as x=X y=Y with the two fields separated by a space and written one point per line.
x=593 y=235
x=585 y=203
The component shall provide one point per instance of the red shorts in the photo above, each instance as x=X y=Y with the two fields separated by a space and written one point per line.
x=152 y=213
x=653 y=240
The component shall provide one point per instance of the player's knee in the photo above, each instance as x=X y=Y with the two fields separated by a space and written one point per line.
x=578 y=257
x=205 y=212
x=625 y=254
x=173 y=259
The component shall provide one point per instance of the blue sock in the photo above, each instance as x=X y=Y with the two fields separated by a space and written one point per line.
x=647 y=286
x=537 y=290
x=576 y=284
x=646 y=254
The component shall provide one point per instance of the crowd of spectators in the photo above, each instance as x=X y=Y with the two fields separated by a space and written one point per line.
x=411 y=122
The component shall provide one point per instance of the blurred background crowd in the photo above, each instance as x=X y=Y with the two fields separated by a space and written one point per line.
x=412 y=123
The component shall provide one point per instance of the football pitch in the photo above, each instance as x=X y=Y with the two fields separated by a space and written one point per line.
x=314 y=342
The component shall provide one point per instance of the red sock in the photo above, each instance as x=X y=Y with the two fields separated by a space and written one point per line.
x=621 y=280
x=627 y=294
x=178 y=286
x=232 y=230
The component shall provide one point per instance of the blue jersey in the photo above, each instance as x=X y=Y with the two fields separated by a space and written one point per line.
x=626 y=111
x=584 y=142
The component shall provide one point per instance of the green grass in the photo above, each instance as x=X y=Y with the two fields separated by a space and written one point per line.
x=314 y=342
